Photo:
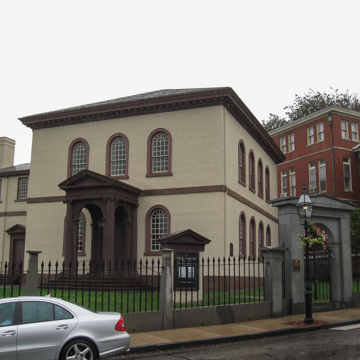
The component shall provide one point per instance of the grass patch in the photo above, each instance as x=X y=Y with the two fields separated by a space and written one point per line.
x=136 y=302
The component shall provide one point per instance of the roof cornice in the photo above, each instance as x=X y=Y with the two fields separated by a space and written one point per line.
x=317 y=114
x=159 y=102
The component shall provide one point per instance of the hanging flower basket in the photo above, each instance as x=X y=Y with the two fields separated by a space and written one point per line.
x=316 y=238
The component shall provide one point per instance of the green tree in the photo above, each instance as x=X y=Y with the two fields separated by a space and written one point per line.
x=309 y=103
x=355 y=227
x=274 y=122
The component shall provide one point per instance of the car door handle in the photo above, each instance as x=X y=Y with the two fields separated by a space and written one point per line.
x=9 y=333
x=62 y=327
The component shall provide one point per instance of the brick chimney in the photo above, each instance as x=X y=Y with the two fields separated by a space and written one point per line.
x=7 y=152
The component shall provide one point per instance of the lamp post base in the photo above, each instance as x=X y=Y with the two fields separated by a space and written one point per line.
x=308 y=303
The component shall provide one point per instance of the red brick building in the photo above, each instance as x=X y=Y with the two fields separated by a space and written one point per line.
x=322 y=151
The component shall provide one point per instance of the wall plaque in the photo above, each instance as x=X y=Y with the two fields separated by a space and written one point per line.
x=296 y=265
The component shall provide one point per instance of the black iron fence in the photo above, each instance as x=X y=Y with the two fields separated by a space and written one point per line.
x=355 y=262
x=319 y=262
x=131 y=286
x=126 y=286
x=211 y=282
x=11 y=279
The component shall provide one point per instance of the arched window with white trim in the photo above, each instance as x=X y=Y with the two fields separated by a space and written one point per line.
x=157 y=226
x=117 y=158
x=78 y=157
x=159 y=153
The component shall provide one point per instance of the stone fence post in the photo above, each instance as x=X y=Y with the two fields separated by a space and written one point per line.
x=273 y=258
x=32 y=273
x=166 y=290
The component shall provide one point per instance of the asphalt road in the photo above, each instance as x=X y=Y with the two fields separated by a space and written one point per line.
x=324 y=344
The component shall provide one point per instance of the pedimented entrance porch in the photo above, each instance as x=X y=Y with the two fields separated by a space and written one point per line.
x=112 y=206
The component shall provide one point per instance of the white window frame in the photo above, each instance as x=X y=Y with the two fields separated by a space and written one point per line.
x=158 y=228
x=291 y=141
x=320 y=136
x=284 y=185
x=347 y=169
x=310 y=135
x=312 y=177
x=344 y=129
x=118 y=156
x=322 y=175
x=283 y=145
x=354 y=131
x=79 y=157
x=292 y=181
x=160 y=152
x=22 y=188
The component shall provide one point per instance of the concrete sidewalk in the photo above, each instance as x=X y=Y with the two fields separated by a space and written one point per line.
x=170 y=339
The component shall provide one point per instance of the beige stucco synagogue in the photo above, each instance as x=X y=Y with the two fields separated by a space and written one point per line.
x=110 y=178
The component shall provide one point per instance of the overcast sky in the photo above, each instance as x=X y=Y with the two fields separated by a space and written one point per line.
x=58 y=54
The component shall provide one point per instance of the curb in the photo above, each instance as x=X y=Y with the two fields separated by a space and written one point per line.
x=240 y=337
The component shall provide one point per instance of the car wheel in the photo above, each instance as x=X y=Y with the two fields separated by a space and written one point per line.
x=78 y=350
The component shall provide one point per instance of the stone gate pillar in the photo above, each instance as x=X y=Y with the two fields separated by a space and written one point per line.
x=166 y=290
x=32 y=275
x=332 y=215
x=273 y=258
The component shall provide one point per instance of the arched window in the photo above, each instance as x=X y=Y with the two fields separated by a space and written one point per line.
x=267 y=184
x=260 y=179
x=117 y=156
x=242 y=235
x=268 y=236
x=251 y=171
x=157 y=226
x=159 y=153
x=242 y=163
x=252 y=239
x=78 y=156
x=260 y=240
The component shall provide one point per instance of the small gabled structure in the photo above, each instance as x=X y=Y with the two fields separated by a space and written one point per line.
x=186 y=241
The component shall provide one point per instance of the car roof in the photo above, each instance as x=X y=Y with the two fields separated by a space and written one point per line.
x=72 y=306
x=37 y=298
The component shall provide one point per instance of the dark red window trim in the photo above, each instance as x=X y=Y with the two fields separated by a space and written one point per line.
x=108 y=157
x=242 y=249
x=260 y=237
x=252 y=172
x=267 y=184
x=150 y=173
x=260 y=178
x=252 y=238
x=148 y=251
x=268 y=236
x=70 y=156
x=242 y=161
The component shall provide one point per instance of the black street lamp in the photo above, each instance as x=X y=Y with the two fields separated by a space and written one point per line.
x=305 y=208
